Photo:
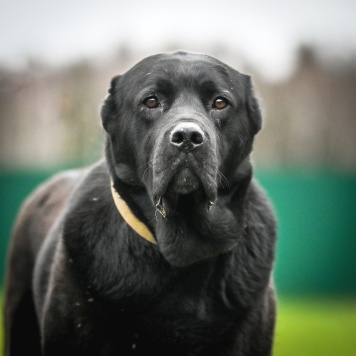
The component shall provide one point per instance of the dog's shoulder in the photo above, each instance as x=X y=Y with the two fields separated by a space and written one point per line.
x=54 y=198
x=259 y=202
x=91 y=194
x=43 y=206
x=50 y=194
x=260 y=232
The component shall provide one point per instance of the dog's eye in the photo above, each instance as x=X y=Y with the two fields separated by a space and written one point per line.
x=151 y=102
x=220 y=103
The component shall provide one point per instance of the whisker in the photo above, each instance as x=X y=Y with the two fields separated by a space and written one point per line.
x=149 y=165
x=223 y=180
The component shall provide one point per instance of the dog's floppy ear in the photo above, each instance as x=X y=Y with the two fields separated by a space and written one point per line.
x=111 y=104
x=253 y=108
x=113 y=84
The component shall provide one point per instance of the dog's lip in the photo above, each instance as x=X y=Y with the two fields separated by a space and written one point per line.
x=199 y=176
x=207 y=184
x=165 y=198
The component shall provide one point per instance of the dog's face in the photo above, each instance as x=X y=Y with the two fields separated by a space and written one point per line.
x=180 y=124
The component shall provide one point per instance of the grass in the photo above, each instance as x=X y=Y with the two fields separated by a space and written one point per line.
x=316 y=327
x=1 y=325
x=307 y=327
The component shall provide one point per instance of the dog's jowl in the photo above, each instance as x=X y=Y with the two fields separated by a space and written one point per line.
x=164 y=247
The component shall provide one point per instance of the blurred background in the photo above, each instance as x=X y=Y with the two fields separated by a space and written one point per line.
x=58 y=57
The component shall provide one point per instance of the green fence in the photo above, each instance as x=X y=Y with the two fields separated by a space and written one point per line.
x=316 y=250
x=317 y=231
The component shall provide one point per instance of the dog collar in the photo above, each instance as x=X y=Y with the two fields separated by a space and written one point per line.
x=137 y=225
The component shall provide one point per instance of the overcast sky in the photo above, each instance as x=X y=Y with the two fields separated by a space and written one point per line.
x=266 y=32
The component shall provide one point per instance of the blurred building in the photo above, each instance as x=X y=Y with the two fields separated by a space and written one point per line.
x=49 y=117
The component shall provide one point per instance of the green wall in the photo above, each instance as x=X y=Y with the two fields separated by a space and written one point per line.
x=316 y=250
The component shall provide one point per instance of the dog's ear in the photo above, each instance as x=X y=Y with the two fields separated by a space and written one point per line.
x=111 y=104
x=253 y=108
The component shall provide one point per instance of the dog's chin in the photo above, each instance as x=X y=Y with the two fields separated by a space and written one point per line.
x=184 y=192
x=184 y=182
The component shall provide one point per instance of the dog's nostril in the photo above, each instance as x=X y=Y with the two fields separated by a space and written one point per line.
x=187 y=135
x=177 y=137
x=197 y=138
x=193 y=137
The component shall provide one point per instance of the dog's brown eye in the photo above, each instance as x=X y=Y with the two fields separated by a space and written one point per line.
x=220 y=103
x=151 y=102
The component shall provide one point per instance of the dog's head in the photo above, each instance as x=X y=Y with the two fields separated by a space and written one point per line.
x=180 y=124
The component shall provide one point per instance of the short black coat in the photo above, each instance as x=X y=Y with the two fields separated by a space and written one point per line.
x=84 y=283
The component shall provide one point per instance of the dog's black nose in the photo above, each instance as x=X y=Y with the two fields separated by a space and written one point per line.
x=187 y=135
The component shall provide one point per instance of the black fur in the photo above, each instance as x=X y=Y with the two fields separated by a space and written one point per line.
x=80 y=281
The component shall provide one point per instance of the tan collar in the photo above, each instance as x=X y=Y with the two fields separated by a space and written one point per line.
x=137 y=225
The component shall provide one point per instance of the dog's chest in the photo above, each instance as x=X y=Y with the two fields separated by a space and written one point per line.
x=181 y=318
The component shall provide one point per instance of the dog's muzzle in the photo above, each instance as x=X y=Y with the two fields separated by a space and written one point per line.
x=186 y=136
x=184 y=164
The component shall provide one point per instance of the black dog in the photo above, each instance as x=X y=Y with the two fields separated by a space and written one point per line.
x=167 y=245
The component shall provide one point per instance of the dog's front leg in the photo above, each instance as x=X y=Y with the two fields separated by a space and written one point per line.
x=64 y=304
x=75 y=319
x=67 y=317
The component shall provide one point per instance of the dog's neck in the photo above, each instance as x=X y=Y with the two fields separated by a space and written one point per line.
x=131 y=219
x=125 y=198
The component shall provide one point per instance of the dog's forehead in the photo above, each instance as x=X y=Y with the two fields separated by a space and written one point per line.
x=185 y=59
x=178 y=65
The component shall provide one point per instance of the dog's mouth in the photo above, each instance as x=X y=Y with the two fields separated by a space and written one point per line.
x=184 y=191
